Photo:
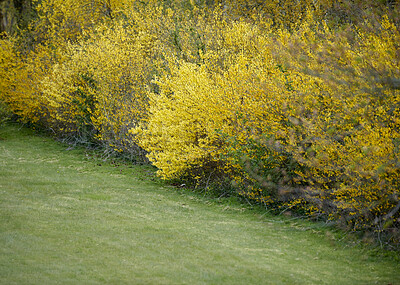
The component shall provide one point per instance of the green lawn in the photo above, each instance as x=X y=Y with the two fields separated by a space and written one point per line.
x=66 y=218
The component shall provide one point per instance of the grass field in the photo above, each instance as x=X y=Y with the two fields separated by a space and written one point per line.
x=68 y=218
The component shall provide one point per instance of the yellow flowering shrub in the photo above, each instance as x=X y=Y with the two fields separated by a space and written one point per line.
x=29 y=58
x=294 y=104
x=238 y=89
x=100 y=90
x=354 y=160
x=20 y=76
x=8 y=68
x=307 y=118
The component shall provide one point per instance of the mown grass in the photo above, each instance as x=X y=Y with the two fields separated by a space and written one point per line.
x=66 y=218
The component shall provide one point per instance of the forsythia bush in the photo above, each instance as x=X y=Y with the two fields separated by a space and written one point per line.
x=293 y=104
x=290 y=118
x=100 y=89
x=20 y=77
x=353 y=157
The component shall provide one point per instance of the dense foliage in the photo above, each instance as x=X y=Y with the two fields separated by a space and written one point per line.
x=292 y=104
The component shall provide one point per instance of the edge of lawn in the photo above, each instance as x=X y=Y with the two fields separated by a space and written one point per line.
x=334 y=235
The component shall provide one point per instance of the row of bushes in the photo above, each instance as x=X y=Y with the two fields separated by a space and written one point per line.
x=293 y=105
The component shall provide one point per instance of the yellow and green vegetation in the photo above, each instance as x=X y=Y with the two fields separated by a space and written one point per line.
x=294 y=105
x=69 y=217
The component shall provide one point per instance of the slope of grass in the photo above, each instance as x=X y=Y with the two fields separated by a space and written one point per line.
x=68 y=219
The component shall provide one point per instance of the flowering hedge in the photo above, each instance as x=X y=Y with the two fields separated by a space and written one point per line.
x=293 y=104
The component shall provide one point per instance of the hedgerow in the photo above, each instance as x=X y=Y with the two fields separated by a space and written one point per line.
x=292 y=104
